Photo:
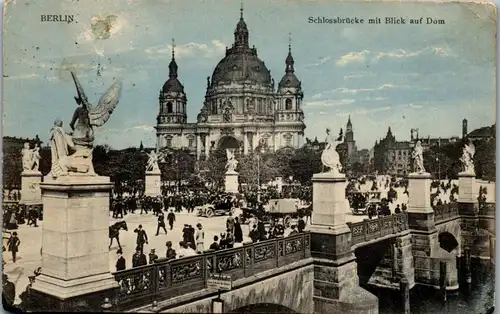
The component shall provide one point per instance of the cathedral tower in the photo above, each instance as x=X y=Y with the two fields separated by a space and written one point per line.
x=172 y=103
x=289 y=101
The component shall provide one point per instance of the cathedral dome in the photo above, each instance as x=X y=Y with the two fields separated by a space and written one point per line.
x=241 y=65
x=241 y=62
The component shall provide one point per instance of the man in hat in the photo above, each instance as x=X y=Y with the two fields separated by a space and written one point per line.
x=171 y=254
x=142 y=238
x=13 y=245
x=139 y=259
x=152 y=256
x=120 y=262
x=200 y=238
x=161 y=222
x=293 y=231
x=8 y=291
x=171 y=218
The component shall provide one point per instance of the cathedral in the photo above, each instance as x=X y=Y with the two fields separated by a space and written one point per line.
x=242 y=111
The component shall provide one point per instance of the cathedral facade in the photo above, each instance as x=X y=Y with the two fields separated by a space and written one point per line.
x=242 y=110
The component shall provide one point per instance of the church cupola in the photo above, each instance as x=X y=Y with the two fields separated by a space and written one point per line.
x=289 y=80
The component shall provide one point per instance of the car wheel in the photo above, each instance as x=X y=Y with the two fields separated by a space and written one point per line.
x=210 y=213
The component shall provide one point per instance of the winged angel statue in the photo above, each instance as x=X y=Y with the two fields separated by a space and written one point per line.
x=330 y=157
x=72 y=152
x=467 y=158
x=153 y=158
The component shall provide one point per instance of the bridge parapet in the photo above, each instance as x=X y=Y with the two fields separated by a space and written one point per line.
x=168 y=279
x=368 y=230
x=445 y=212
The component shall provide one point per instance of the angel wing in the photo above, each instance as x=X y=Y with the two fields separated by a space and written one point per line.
x=100 y=114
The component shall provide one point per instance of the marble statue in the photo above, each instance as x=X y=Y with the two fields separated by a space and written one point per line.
x=153 y=159
x=30 y=157
x=418 y=158
x=467 y=158
x=330 y=157
x=231 y=161
x=72 y=152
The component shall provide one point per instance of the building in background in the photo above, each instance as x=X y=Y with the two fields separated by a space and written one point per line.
x=242 y=109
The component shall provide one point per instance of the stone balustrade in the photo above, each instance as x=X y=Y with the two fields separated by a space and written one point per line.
x=167 y=279
x=445 y=212
x=372 y=229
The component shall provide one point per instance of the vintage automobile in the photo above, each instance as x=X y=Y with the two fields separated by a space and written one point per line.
x=287 y=209
x=221 y=207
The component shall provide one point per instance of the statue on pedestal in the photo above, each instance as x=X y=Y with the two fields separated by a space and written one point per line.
x=418 y=158
x=30 y=157
x=232 y=163
x=467 y=158
x=154 y=158
x=330 y=157
x=72 y=152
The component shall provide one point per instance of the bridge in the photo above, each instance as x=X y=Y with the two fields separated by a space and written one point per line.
x=321 y=270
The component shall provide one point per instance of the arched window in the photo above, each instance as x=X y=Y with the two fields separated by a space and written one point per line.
x=170 y=108
x=288 y=104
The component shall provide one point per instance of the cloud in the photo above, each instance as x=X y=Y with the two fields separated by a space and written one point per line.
x=353 y=57
x=329 y=103
x=320 y=62
x=215 y=49
x=344 y=90
x=366 y=55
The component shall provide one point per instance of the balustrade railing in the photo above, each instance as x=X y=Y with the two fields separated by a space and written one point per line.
x=487 y=209
x=367 y=230
x=168 y=279
x=445 y=212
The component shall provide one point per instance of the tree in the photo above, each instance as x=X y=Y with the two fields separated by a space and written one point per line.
x=304 y=163
x=214 y=168
x=178 y=166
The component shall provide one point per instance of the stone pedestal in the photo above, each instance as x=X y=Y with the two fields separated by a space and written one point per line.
x=425 y=242
x=30 y=187
x=330 y=202
x=231 y=182
x=75 y=236
x=31 y=195
x=336 y=283
x=153 y=183
x=468 y=208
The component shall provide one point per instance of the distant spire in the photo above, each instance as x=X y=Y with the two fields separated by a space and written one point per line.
x=173 y=49
x=289 y=42
x=241 y=11
x=289 y=59
x=349 y=120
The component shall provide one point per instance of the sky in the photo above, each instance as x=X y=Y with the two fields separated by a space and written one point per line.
x=427 y=77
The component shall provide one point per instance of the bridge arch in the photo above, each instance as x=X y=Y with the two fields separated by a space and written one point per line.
x=263 y=308
x=447 y=241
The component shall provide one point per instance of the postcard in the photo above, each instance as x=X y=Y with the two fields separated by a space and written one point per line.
x=220 y=156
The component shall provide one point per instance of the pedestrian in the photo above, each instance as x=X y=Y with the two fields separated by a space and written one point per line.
x=8 y=291
x=229 y=239
x=293 y=231
x=152 y=256
x=120 y=262
x=185 y=233
x=254 y=234
x=171 y=218
x=397 y=210
x=301 y=225
x=191 y=240
x=238 y=232
x=170 y=251
x=230 y=222
x=215 y=246
x=200 y=238
x=142 y=238
x=161 y=222
x=262 y=230
x=13 y=245
x=139 y=259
